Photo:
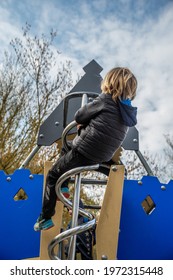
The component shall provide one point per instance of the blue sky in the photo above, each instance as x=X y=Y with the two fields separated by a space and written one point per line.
x=132 y=33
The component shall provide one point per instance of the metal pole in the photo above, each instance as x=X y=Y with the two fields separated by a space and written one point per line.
x=64 y=134
x=145 y=164
x=75 y=212
x=84 y=99
x=86 y=181
x=31 y=155
x=71 y=125
x=76 y=198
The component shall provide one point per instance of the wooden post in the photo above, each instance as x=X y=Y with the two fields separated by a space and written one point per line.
x=48 y=235
x=107 y=230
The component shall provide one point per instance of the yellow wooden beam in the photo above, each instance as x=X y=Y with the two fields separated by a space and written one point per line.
x=107 y=230
x=48 y=235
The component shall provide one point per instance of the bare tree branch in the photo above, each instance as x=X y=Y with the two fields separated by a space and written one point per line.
x=31 y=79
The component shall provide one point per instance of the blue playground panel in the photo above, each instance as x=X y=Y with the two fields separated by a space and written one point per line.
x=141 y=236
x=18 y=240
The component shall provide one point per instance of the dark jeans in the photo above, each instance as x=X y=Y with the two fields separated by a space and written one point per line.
x=68 y=161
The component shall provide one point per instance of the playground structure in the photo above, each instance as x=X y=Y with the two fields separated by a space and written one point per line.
x=135 y=218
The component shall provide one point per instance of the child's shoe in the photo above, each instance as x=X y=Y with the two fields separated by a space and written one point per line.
x=43 y=224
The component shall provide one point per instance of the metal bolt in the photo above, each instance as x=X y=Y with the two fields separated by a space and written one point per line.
x=135 y=140
x=41 y=136
x=56 y=123
x=8 y=179
x=140 y=182
x=163 y=188
x=31 y=176
x=104 y=257
x=114 y=168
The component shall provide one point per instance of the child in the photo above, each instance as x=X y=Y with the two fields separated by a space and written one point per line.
x=102 y=127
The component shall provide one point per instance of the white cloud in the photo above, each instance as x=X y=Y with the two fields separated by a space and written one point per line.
x=8 y=29
x=114 y=34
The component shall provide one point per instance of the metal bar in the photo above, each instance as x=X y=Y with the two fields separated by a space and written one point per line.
x=145 y=164
x=31 y=155
x=79 y=93
x=74 y=222
x=76 y=198
x=71 y=125
x=73 y=95
x=90 y=181
x=94 y=207
x=84 y=99
x=64 y=134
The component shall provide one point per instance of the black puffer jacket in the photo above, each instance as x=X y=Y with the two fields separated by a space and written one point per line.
x=105 y=124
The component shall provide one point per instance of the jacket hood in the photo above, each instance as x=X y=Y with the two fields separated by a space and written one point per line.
x=128 y=113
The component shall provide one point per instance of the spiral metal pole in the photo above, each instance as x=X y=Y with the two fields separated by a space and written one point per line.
x=77 y=229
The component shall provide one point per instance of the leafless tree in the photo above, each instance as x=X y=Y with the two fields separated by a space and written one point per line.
x=169 y=154
x=157 y=163
x=33 y=80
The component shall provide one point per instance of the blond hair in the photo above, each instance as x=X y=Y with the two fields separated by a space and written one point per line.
x=120 y=83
